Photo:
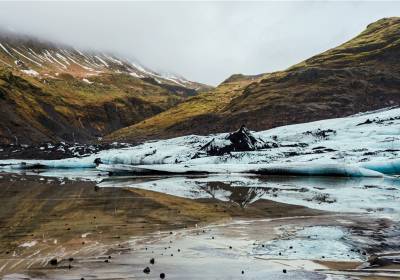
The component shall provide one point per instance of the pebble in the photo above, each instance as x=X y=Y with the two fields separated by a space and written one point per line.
x=146 y=270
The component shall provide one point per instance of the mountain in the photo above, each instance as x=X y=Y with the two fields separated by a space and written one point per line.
x=194 y=115
x=360 y=75
x=53 y=92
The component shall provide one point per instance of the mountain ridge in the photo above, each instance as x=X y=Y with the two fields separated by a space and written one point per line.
x=51 y=92
x=361 y=74
x=46 y=58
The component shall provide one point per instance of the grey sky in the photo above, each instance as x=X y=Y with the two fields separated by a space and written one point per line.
x=203 y=41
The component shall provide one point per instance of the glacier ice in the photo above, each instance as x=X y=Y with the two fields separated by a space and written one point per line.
x=361 y=145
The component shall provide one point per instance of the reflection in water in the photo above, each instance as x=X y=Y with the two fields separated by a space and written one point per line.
x=359 y=195
x=356 y=194
x=40 y=214
x=242 y=196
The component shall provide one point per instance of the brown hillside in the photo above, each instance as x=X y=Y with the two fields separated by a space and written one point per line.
x=57 y=93
x=360 y=75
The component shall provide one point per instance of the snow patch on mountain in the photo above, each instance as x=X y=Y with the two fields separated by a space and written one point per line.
x=31 y=60
x=87 y=81
x=30 y=72
x=6 y=50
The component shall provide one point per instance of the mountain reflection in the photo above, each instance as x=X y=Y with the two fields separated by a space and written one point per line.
x=242 y=196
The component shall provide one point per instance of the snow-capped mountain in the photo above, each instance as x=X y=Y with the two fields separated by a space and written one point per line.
x=53 y=92
x=35 y=57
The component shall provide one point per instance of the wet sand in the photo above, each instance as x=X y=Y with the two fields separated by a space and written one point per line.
x=225 y=250
x=48 y=218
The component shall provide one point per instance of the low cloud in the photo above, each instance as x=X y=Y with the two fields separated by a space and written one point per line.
x=203 y=41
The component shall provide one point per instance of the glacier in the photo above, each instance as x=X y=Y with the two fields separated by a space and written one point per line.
x=365 y=144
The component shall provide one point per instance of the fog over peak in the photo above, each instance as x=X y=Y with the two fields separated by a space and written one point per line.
x=202 y=41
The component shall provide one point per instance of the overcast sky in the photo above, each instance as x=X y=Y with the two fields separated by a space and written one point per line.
x=203 y=41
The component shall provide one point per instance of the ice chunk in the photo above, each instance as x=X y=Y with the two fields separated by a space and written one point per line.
x=316 y=243
x=386 y=167
x=70 y=163
x=339 y=170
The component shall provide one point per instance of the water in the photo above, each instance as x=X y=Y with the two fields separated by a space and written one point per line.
x=221 y=225
x=379 y=196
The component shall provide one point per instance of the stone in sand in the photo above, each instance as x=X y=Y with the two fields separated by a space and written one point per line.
x=146 y=270
x=152 y=261
x=53 y=262
x=162 y=275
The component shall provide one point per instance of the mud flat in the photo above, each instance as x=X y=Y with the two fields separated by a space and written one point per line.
x=204 y=228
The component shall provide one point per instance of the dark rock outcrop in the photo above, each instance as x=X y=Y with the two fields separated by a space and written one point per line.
x=239 y=141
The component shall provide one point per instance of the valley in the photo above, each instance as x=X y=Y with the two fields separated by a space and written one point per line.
x=110 y=170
